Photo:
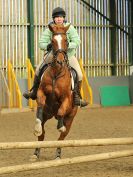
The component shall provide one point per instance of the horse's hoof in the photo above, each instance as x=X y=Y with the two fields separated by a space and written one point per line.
x=38 y=128
x=57 y=158
x=62 y=129
x=33 y=158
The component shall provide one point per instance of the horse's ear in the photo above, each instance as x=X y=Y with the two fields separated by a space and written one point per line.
x=50 y=26
x=67 y=27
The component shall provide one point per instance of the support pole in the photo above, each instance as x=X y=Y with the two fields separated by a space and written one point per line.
x=131 y=31
x=113 y=35
x=30 y=13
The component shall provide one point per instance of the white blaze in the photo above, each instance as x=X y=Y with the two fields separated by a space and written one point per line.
x=58 y=39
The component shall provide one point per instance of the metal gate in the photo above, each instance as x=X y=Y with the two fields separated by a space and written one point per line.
x=103 y=25
x=13 y=34
x=4 y=91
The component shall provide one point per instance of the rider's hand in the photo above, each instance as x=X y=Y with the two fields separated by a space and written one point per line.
x=49 y=47
x=67 y=44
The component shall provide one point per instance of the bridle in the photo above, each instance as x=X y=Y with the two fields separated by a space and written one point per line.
x=56 y=52
x=61 y=72
x=55 y=55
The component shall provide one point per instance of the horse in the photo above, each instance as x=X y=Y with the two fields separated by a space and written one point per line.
x=55 y=96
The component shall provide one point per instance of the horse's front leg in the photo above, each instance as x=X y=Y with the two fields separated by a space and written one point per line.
x=68 y=122
x=40 y=138
x=61 y=113
x=36 y=154
x=41 y=98
x=39 y=125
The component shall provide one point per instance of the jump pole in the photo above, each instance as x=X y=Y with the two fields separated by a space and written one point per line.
x=66 y=143
x=67 y=161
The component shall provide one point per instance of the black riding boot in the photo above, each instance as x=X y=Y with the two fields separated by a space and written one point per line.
x=33 y=92
x=77 y=96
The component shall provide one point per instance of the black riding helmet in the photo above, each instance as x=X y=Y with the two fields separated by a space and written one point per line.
x=58 y=11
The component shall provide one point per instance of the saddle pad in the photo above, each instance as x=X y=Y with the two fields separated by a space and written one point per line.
x=72 y=81
x=73 y=77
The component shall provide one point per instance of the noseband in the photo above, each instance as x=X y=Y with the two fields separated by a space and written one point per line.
x=55 y=60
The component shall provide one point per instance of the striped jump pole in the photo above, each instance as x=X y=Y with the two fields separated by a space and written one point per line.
x=66 y=143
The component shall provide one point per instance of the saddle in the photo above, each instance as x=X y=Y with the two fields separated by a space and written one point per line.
x=74 y=76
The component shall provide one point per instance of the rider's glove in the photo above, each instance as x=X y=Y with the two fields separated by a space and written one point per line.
x=49 y=47
x=67 y=44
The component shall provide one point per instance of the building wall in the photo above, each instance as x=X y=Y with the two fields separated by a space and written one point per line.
x=98 y=82
x=104 y=48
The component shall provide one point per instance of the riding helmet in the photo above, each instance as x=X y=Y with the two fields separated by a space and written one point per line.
x=58 y=11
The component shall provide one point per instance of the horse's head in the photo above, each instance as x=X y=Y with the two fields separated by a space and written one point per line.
x=59 y=42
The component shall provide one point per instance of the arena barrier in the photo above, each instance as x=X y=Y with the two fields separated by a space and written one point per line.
x=31 y=73
x=15 y=92
x=67 y=161
x=86 y=90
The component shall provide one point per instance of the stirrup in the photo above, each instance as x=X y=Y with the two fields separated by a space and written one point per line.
x=31 y=95
x=26 y=95
x=78 y=101
x=83 y=103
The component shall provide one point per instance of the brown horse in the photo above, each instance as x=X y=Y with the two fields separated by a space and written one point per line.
x=54 y=96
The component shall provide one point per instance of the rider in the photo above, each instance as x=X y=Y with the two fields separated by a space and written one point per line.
x=58 y=16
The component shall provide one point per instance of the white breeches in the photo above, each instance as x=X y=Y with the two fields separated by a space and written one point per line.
x=75 y=64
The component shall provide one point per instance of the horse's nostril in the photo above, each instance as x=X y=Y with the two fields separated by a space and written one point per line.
x=59 y=62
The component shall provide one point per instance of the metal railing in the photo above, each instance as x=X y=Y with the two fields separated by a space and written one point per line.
x=4 y=92
x=13 y=35
x=15 y=93
x=86 y=90
x=31 y=73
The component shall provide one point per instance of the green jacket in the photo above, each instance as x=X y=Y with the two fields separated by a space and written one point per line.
x=72 y=37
